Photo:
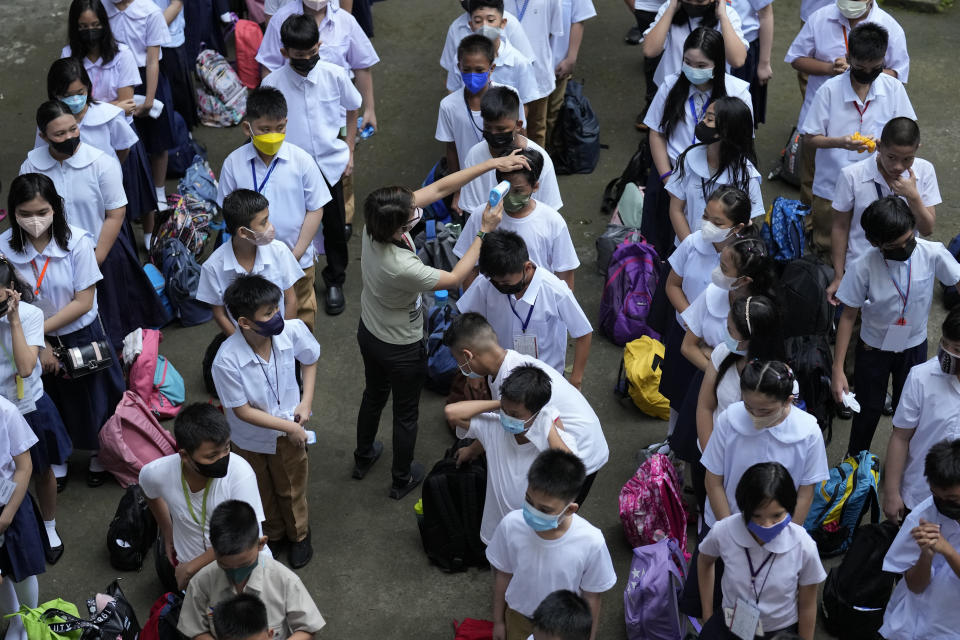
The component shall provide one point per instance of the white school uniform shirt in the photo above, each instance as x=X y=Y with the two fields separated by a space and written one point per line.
x=176 y=27
x=808 y=7
x=579 y=419
x=795 y=563
x=104 y=126
x=342 y=41
x=697 y=183
x=749 y=20
x=578 y=560
x=90 y=183
x=868 y=284
x=31 y=320
x=860 y=184
x=139 y=26
x=930 y=407
x=697 y=102
x=542 y=20
x=274 y=261
x=837 y=111
x=706 y=316
x=513 y=69
x=107 y=77
x=825 y=35
x=693 y=260
x=672 y=59
x=270 y=7
x=163 y=478
x=475 y=194
x=548 y=311
x=460 y=29
x=543 y=230
x=572 y=11
x=315 y=103
x=294 y=187
x=932 y=614
x=459 y=124
x=15 y=438
x=728 y=390
x=242 y=377
x=67 y=272
x=736 y=445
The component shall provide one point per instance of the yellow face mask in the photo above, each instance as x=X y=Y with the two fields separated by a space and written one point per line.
x=268 y=143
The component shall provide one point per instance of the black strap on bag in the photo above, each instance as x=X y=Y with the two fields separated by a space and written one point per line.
x=106 y=625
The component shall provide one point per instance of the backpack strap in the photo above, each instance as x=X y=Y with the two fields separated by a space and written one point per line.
x=470 y=506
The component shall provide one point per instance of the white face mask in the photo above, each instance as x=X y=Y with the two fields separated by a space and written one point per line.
x=712 y=233
x=851 y=9
x=316 y=5
x=721 y=280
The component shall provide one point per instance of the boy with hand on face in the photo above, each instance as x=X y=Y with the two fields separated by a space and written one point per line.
x=288 y=177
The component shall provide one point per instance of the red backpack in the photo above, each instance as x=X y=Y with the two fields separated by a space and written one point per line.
x=247 y=38
x=473 y=629
x=650 y=504
x=131 y=438
x=151 y=374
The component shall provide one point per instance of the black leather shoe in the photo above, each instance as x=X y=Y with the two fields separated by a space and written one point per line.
x=361 y=467
x=62 y=483
x=54 y=554
x=97 y=478
x=844 y=413
x=333 y=302
x=347 y=231
x=277 y=547
x=634 y=36
x=888 y=406
x=417 y=474
x=300 y=553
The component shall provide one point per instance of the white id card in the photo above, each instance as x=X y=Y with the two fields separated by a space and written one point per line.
x=746 y=620
x=896 y=337
x=526 y=344
x=7 y=487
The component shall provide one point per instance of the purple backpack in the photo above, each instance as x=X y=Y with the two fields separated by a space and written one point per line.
x=650 y=606
x=631 y=282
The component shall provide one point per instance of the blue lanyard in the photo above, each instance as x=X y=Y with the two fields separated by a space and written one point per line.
x=523 y=323
x=903 y=296
x=697 y=116
x=253 y=172
x=521 y=10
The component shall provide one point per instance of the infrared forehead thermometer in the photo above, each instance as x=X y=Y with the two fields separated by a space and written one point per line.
x=497 y=193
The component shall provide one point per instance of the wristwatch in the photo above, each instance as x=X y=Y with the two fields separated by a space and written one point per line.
x=480 y=234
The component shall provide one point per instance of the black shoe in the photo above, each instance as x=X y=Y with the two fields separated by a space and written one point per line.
x=347 y=231
x=844 y=412
x=887 y=406
x=334 y=303
x=62 y=483
x=634 y=36
x=300 y=553
x=277 y=547
x=97 y=478
x=361 y=467
x=417 y=474
x=54 y=553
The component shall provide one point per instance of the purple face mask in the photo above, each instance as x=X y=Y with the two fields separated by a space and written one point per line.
x=271 y=327
x=766 y=534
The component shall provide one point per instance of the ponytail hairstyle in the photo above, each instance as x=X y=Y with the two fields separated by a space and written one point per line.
x=25 y=188
x=752 y=260
x=710 y=43
x=709 y=19
x=10 y=279
x=757 y=319
x=62 y=74
x=79 y=48
x=771 y=378
x=737 y=208
x=734 y=127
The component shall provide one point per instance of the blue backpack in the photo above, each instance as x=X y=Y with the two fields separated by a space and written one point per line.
x=159 y=286
x=182 y=273
x=440 y=209
x=841 y=501
x=782 y=229
x=182 y=155
x=441 y=365
x=199 y=180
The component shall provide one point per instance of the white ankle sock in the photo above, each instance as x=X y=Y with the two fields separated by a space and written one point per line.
x=148 y=240
x=161 y=194
x=59 y=470
x=95 y=465
x=51 y=527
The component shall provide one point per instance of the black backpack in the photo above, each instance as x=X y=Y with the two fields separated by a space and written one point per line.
x=575 y=141
x=811 y=359
x=182 y=274
x=452 y=511
x=803 y=298
x=635 y=172
x=788 y=168
x=857 y=590
x=207 y=364
x=131 y=532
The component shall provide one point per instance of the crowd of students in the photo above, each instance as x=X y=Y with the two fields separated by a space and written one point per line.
x=234 y=497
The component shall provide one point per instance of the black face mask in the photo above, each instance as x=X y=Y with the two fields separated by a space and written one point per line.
x=3 y=307
x=698 y=10
x=705 y=133
x=866 y=77
x=511 y=289
x=900 y=254
x=499 y=141
x=305 y=65
x=66 y=147
x=216 y=469
x=90 y=36
x=947 y=508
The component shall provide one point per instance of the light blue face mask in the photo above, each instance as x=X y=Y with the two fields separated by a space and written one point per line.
x=516 y=426
x=697 y=76
x=732 y=344
x=467 y=371
x=75 y=103
x=540 y=521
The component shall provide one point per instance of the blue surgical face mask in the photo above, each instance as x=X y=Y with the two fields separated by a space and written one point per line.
x=516 y=426
x=766 y=534
x=697 y=76
x=733 y=344
x=467 y=371
x=540 y=521
x=75 y=103
x=475 y=82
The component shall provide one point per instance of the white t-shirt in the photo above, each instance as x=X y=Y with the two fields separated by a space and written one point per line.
x=542 y=20
x=932 y=614
x=31 y=320
x=868 y=285
x=578 y=560
x=513 y=69
x=929 y=407
x=274 y=261
x=573 y=11
x=459 y=124
x=162 y=478
x=139 y=26
x=706 y=316
x=15 y=438
x=795 y=563
x=693 y=260
x=460 y=29
x=548 y=311
x=736 y=445
x=475 y=194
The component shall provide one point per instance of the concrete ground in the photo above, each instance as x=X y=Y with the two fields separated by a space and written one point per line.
x=370 y=576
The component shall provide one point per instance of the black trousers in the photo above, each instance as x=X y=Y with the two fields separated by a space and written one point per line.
x=644 y=20
x=334 y=237
x=390 y=368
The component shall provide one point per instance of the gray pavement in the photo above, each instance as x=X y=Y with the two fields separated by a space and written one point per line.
x=370 y=576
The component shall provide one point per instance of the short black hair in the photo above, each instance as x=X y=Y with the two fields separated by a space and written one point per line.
x=534 y=159
x=942 y=464
x=499 y=103
x=763 y=482
x=475 y=43
x=886 y=219
x=484 y=4
x=502 y=253
x=198 y=423
x=867 y=42
x=771 y=378
x=266 y=102
x=901 y=132
x=386 y=210
x=62 y=74
x=565 y=615
x=241 y=207
x=299 y=32
x=468 y=329
x=529 y=385
x=233 y=528
x=245 y=295
x=242 y=616
x=951 y=325
x=558 y=474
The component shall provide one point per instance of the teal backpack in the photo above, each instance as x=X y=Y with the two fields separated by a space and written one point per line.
x=840 y=502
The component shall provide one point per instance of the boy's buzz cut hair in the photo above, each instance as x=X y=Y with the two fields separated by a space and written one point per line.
x=867 y=42
x=299 y=32
x=496 y=5
x=245 y=295
x=499 y=103
x=198 y=423
x=233 y=528
x=469 y=331
x=901 y=132
x=241 y=207
x=534 y=159
x=942 y=465
x=558 y=474
x=475 y=43
x=564 y=615
x=529 y=385
x=266 y=102
x=240 y=617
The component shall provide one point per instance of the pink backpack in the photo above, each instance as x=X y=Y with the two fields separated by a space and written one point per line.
x=147 y=382
x=131 y=438
x=650 y=505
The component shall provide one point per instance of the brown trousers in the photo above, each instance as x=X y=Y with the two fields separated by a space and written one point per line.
x=519 y=626
x=306 y=297
x=555 y=104
x=282 y=481
x=537 y=121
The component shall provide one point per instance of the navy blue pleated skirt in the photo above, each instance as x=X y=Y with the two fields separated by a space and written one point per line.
x=676 y=371
x=22 y=554
x=156 y=134
x=178 y=69
x=54 y=445
x=138 y=183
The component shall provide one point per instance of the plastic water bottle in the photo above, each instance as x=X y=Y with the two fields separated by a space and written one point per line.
x=441 y=298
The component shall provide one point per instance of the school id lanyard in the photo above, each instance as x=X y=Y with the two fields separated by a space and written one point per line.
x=477 y=131
x=756 y=573
x=861 y=111
x=903 y=296
x=203 y=509
x=523 y=323
x=697 y=116
x=39 y=274
x=521 y=10
x=253 y=172
x=273 y=354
